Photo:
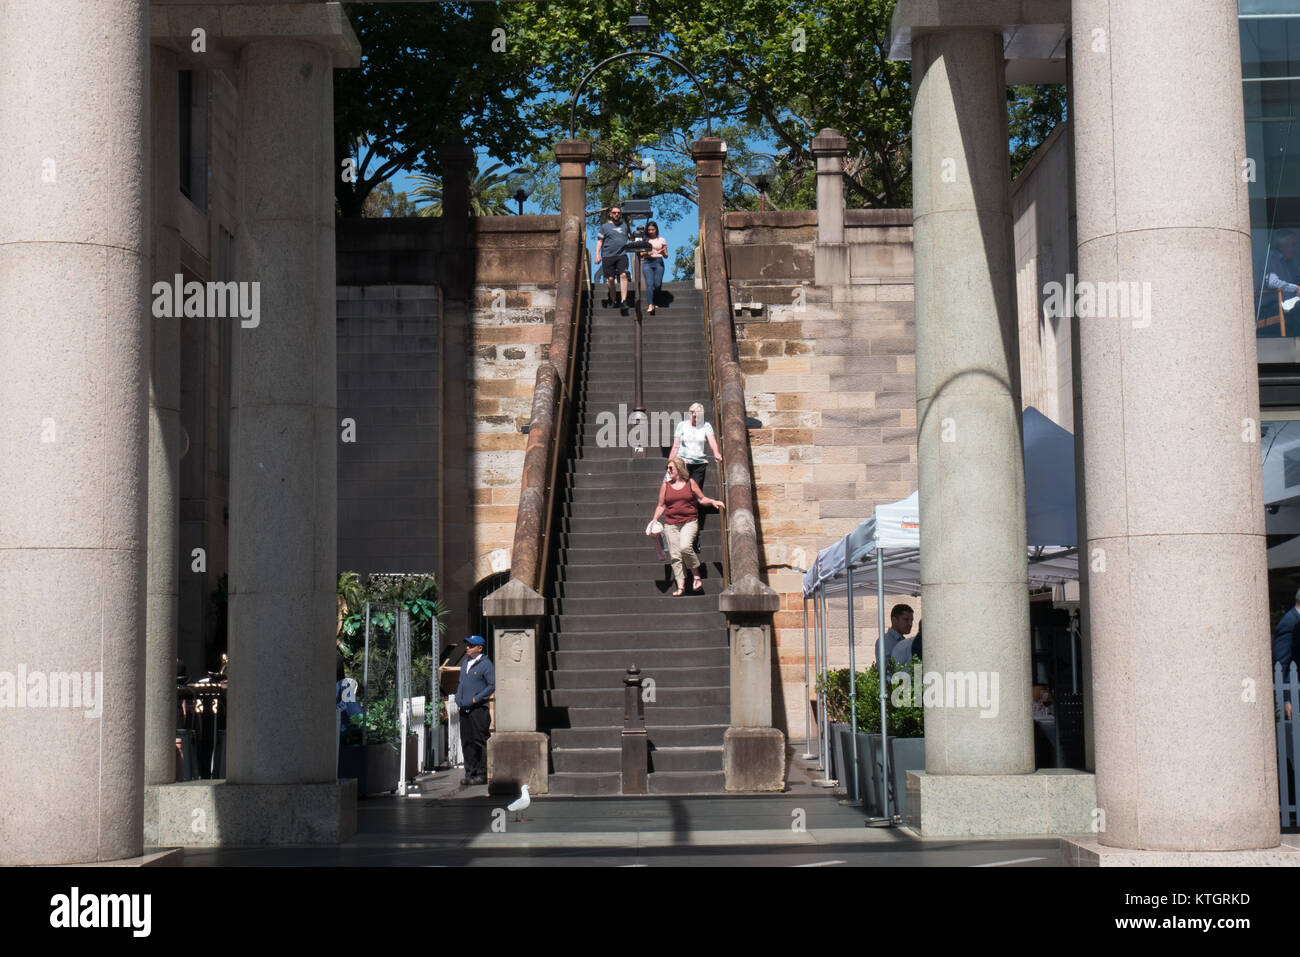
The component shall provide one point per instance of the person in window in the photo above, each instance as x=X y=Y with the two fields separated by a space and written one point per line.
x=1282 y=271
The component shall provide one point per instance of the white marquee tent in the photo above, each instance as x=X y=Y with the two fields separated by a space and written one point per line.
x=887 y=547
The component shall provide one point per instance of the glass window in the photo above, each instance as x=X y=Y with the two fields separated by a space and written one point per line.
x=1270 y=61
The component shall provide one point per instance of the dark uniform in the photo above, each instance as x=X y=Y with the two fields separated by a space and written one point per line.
x=477 y=682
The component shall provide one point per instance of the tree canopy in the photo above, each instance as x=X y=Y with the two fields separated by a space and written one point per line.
x=775 y=73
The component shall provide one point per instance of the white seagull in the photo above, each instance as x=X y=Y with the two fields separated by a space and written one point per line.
x=520 y=803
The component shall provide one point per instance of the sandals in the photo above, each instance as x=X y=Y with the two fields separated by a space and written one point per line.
x=681 y=590
x=697 y=585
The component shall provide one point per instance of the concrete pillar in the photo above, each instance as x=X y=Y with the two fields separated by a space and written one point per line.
x=74 y=389
x=162 y=612
x=710 y=154
x=831 y=256
x=284 y=426
x=1175 y=520
x=517 y=751
x=970 y=458
x=573 y=157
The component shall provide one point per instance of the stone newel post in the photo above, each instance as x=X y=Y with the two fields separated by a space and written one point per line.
x=831 y=258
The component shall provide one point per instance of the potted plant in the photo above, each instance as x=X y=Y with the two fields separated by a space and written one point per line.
x=905 y=734
x=905 y=737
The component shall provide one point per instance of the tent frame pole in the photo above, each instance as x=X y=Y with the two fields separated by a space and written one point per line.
x=826 y=724
x=881 y=669
x=807 y=698
x=853 y=682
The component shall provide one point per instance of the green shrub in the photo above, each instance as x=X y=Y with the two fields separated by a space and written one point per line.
x=905 y=720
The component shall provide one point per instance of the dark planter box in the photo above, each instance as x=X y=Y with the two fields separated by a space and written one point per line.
x=375 y=765
x=905 y=754
x=839 y=731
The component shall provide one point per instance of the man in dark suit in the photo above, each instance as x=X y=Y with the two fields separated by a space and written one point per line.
x=477 y=682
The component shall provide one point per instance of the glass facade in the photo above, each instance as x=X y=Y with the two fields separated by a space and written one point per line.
x=1270 y=61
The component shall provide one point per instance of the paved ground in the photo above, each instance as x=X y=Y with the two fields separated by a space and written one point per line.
x=447 y=825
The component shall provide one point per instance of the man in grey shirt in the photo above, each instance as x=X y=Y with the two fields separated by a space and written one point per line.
x=900 y=620
x=611 y=239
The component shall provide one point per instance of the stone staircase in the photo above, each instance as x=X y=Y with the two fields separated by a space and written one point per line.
x=611 y=598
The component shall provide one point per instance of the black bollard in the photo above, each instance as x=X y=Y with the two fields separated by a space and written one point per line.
x=635 y=743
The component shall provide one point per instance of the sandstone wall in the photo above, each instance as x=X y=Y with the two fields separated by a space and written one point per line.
x=830 y=380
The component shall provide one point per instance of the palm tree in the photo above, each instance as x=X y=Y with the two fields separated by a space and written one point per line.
x=487 y=192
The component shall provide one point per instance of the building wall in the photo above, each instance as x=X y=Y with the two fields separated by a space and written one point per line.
x=1040 y=208
x=388 y=387
x=440 y=388
x=830 y=379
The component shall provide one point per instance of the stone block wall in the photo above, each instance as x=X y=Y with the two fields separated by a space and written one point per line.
x=830 y=382
x=494 y=345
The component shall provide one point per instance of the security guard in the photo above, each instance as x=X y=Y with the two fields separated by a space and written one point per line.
x=477 y=682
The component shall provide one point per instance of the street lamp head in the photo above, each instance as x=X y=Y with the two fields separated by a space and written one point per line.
x=638 y=23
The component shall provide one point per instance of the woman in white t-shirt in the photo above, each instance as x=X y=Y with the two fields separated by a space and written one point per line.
x=688 y=442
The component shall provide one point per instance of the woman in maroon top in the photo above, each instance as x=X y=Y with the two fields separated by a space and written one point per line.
x=677 y=505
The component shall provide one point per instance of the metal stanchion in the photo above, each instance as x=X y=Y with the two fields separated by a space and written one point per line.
x=888 y=819
x=825 y=735
x=853 y=692
x=807 y=698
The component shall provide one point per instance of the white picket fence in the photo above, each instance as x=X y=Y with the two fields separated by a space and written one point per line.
x=1288 y=747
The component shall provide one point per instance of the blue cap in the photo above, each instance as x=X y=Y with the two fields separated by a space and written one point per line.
x=475 y=640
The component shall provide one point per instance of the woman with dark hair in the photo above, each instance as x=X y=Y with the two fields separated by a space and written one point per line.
x=652 y=264
x=678 y=500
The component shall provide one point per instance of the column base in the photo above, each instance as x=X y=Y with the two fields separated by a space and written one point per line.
x=516 y=758
x=155 y=857
x=753 y=759
x=218 y=814
x=1090 y=852
x=1051 y=801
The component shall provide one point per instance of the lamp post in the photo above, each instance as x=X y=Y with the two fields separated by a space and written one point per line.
x=520 y=184
x=762 y=171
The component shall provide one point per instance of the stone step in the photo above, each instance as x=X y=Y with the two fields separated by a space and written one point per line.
x=589 y=760
x=631 y=642
x=662 y=782
x=659 y=737
x=655 y=587
x=644 y=658
x=639 y=571
x=697 y=612
x=598 y=513
x=670 y=698
x=612 y=538
x=708 y=553
x=668 y=607
x=588 y=678
x=656 y=715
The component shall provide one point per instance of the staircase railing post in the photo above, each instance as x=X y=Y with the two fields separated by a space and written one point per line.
x=635 y=742
x=517 y=751
x=753 y=752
